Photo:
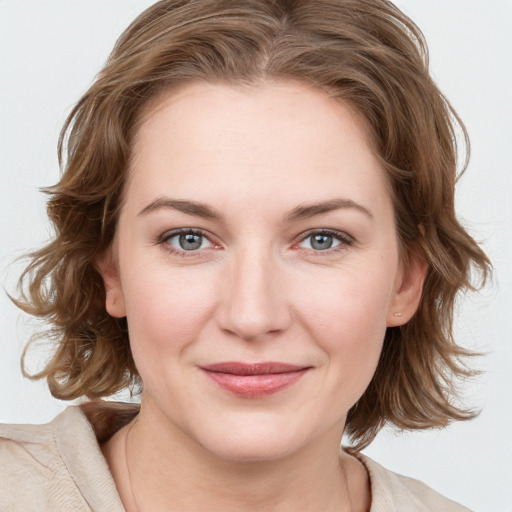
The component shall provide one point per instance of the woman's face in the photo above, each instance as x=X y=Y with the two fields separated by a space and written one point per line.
x=256 y=260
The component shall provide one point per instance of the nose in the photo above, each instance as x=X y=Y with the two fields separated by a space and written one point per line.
x=254 y=301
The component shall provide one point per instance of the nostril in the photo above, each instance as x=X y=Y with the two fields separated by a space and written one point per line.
x=249 y=321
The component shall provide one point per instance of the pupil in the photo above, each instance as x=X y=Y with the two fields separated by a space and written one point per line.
x=189 y=242
x=321 y=242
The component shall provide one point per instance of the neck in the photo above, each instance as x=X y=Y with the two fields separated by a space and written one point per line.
x=155 y=466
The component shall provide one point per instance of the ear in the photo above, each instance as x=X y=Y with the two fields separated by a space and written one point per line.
x=408 y=290
x=114 y=298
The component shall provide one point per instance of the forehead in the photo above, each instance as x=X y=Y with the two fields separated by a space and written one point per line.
x=214 y=140
x=253 y=108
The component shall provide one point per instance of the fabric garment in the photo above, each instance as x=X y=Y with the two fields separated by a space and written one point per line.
x=59 y=467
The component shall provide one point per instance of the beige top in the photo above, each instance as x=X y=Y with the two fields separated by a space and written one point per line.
x=60 y=467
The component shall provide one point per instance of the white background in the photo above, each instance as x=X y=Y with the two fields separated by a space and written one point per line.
x=50 y=52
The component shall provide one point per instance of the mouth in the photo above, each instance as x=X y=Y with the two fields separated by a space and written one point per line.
x=254 y=380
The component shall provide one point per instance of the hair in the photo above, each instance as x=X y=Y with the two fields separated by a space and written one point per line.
x=366 y=53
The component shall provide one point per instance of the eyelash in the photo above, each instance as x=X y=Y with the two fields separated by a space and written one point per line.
x=169 y=235
x=344 y=239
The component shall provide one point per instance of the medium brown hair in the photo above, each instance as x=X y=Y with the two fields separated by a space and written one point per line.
x=363 y=52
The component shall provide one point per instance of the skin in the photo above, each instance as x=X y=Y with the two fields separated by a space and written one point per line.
x=257 y=289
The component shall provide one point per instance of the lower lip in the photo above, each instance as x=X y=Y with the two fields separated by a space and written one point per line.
x=252 y=386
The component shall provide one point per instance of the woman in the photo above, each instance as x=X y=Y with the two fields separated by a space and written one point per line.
x=255 y=227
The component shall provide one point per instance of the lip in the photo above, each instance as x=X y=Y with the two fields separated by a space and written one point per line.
x=253 y=380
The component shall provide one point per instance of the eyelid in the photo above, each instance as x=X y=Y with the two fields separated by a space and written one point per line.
x=342 y=236
x=164 y=238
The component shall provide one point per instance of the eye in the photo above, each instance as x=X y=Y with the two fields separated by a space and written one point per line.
x=185 y=240
x=325 y=240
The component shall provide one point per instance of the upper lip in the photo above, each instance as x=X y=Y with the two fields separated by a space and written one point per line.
x=264 y=368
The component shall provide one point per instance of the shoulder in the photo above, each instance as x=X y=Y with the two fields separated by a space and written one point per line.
x=56 y=466
x=394 y=492
x=33 y=475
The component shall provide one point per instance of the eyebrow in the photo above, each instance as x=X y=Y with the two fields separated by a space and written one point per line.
x=300 y=212
x=309 y=210
x=188 y=207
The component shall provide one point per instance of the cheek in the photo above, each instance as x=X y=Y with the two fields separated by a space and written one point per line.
x=351 y=300
x=348 y=321
x=167 y=309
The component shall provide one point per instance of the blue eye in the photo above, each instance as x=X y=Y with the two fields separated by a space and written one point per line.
x=323 y=240
x=191 y=242
x=186 y=240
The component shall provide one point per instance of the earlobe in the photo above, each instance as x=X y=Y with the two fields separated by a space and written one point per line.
x=408 y=292
x=114 y=299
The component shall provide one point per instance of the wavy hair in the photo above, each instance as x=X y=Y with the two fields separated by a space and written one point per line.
x=364 y=52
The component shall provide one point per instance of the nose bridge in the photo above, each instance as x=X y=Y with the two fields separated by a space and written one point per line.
x=254 y=302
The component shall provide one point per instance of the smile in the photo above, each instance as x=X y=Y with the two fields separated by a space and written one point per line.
x=254 y=380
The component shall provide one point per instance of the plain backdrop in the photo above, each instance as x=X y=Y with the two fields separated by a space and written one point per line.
x=50 y=53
